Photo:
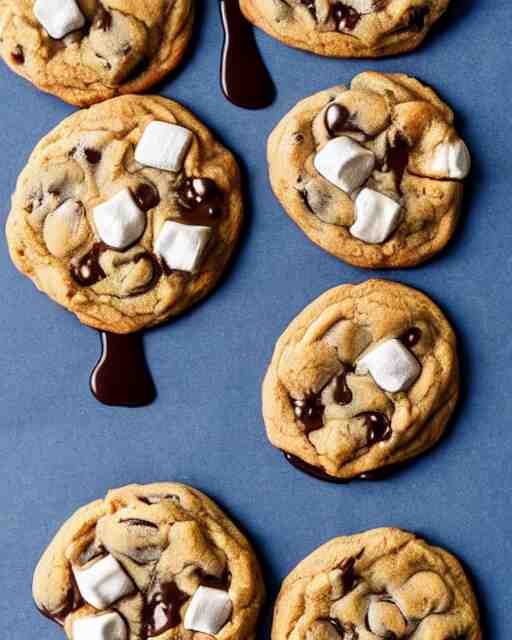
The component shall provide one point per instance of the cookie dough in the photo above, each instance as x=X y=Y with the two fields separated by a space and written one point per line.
x=384 y=583
x=126 y=213
x=365 y=378
x=99 y=48
x=160 y=560
x=348 y=29
x=372 y=173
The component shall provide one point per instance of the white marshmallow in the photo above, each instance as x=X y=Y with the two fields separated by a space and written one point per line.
x=345 y=163
x=208 y=610
x=182 y=246
x=376 y=216
x=103 y=583
x=119 y=221
x=163 y=146
x=451 y=160
x=109 y=626
x=59 y=17
x=391 y=365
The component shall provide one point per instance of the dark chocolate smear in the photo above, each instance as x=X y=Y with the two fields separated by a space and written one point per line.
x=121 y=377
x=162 y=611
x=398 y=159
x=411 y=337
x=244 y=78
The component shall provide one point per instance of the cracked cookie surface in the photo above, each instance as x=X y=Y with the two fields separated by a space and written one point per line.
x=327 y=401
x=123 y=47
x=88 y=160
x=418 y=163
x=384 y=583
x=163 y=543
x=348 y=29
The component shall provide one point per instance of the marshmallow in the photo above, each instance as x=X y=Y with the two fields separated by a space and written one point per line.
x=59 y=17
x=119 y=221
x=182 y=246
x=451 y=160
x=163 y=146
x=103 y=582
x=376 y=216
x=109 y=626
x=345 y=163
x=391 y=365
x=208 y=610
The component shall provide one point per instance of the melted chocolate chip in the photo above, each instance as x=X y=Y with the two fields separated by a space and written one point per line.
x=411 y=337
x=137 y=522
x=348 y=578
x=162 y=611
x=310 y=6
x=398 y=159
x=336 y=117
x=93 y=156
x=345 y=16
x=377 y=425
x=223 y=582
x=102 y=19
x=18 y=55
x=146 y=196
x=342 y=393
x=200 y=199
x=88 y=271
x=310 y=412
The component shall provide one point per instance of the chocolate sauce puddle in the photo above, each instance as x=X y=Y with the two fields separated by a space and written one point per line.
x=244 y=78
x=121 y=377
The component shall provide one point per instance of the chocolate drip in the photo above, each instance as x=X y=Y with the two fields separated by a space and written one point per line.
x=200 y=200
x=398 y=159
x=377 y=425
x=345 y=15
x=342 y=392
x=244 y=78
x=162 y=611
x=121 y=377
x=88 y=271
x=411 y=337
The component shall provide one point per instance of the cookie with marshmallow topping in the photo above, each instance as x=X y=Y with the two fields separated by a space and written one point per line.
x=363 y=380
x=87 y=51
x=384 y=583
x=347 y=29
x=146 y=561
x=372 y=173
x=127 y=213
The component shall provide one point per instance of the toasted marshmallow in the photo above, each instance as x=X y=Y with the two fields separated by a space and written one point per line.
x=59 y=17
x=103 y=582
x=391 y=365
x=109 y=626
x=345 y=163
x=208 y=610
x=163 y=146
x=182 y=246
x=119 y=221
x=451 y=160
x=376 y=216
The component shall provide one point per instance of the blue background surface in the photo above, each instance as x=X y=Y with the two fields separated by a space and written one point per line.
x=61 y=449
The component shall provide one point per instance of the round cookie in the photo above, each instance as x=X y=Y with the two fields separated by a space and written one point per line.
x=156 y=560
x=113 y=47
x=122 y=244
x=384 y=583
x=348 y=29
x=365 y=378
x=372 y=174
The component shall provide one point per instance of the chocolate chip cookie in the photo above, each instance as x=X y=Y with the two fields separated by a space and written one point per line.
x=365 y=378
x=384 y=583
x=86 y=51
x=348 y=29
x=126 y=213
x=373 y=173
x=156 y=560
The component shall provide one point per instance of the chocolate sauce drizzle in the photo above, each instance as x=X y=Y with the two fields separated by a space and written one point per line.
x=121 y=377
x=245 y=80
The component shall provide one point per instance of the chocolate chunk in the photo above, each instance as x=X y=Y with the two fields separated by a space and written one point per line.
x=411 y=337
x=201 y=200
x=102 y=19
x=88 y=271
x=18 y=55
x=377 y=425
x=146 y=196
x=162 y=611
x=345 y=16
x=93 y=155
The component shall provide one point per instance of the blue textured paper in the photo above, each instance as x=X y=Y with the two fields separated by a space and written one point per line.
x=60 y=448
